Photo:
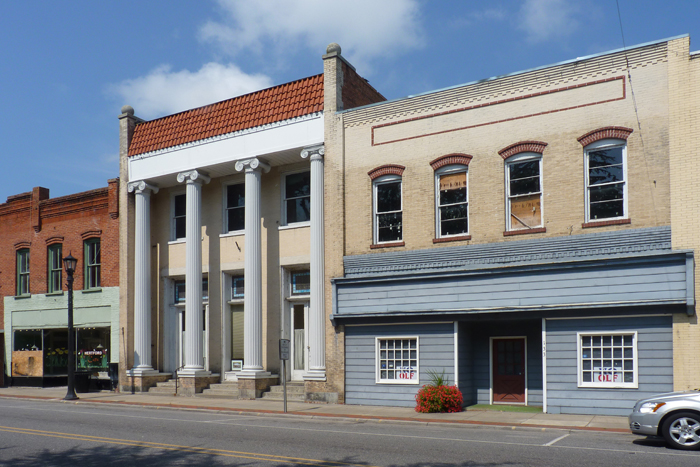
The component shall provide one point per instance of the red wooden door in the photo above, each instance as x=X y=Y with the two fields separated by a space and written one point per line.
x=509 y=370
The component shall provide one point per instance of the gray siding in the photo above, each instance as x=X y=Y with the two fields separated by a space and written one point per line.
x=655 y=365
x=632 y=281
x=436 y=352
x=466 y=364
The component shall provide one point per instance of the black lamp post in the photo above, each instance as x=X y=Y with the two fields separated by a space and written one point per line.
x=70 y=263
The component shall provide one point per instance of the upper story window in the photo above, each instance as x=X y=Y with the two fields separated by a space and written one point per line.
x=605 y=160
x=524 y=191
x=451 y=195
x=297 y=197
x=23 y=271
x=54 y=268
x=387 y=203
x=606 y=180
x=179 y=217
x=93 y=263
x=235 y=207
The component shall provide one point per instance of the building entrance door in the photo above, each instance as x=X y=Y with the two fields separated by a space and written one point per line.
x=298 y=340
x=508 y=371
x=181 y=338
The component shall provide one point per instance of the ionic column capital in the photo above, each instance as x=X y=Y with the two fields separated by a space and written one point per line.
x=252 y=164
x=141 y=186
x=313 y=152
x=193 y=176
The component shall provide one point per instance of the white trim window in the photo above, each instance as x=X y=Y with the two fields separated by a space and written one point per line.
x=606 y=180
x=607 y=360
x=235 y=208
x=178 y=215
x=397 y=360
x=297 y=198
x=388 y=209
x=524 y=191
x=451 y=201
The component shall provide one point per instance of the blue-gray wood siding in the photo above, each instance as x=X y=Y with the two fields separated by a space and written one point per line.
x=436 y=352
x=481 y=376
x=655 y=364
x=600 y=283
x=465 y=350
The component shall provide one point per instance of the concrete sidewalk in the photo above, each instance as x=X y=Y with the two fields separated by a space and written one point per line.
x=378 y=413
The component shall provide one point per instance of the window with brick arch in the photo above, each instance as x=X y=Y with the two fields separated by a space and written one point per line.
x=23 y=271
x=388 y=209
x=606 y=180
x=524 y=191
x=54 y=268
x=451 y=201
x=93 y=263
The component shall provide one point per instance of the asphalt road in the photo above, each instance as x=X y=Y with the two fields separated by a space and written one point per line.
x=59 y=434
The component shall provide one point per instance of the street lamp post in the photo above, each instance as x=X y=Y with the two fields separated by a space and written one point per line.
x=70 y=263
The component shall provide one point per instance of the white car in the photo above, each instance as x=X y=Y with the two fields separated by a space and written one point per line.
x=674 y=415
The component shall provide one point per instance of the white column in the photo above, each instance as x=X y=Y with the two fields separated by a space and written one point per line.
x=252 y=303
x=317 y=328
x=194 y=359
x=142 y=278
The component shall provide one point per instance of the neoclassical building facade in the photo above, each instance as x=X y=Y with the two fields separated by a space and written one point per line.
x=223 y=241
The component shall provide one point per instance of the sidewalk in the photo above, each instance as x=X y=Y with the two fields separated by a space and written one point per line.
x=364 y=412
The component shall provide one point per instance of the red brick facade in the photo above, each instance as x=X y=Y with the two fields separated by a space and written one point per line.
x=32 y=220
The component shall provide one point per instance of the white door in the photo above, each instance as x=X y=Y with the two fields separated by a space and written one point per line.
x=298 y=339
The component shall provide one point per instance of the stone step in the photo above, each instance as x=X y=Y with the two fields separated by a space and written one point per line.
x=166 y=384
x=291 y=389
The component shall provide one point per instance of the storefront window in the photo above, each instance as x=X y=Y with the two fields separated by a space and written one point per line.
x=608 y=360
x=93 y=349
x=55 y=352
x=29 y=339
x=397 y=360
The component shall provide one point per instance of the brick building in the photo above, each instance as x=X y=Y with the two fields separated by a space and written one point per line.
x=531 y=235
x=222 y=246
x=37 y=232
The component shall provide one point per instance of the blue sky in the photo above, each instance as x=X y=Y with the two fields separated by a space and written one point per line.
x=68 y=67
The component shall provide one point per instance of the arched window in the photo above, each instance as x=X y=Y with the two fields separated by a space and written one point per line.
x=451 y=195
x=387 y=203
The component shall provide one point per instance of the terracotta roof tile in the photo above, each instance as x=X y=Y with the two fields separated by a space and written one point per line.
x=301 y=97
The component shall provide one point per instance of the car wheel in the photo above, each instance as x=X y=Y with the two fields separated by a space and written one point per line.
x=682 y=430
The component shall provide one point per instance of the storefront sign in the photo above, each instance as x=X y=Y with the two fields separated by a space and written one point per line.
x=407 y=373
x=607 y=375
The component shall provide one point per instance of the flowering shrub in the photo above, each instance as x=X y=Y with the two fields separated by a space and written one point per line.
x=431 y=399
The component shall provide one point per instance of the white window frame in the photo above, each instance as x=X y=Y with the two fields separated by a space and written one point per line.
x=377 y=359
x=383 y=180
x=283 y=194
x=518 y=158
x=449 y=170
x=22 y=255
x=609 y=385
x=226 y=209
x=602 y=144
x=173 y=236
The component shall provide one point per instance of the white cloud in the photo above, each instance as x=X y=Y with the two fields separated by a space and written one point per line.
x=366 y=29
x=544 y=20
x=163 y=91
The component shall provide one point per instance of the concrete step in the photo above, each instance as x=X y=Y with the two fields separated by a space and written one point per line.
x=158 y=390
x=225 y=390
x=279 y=396
x=166 y=384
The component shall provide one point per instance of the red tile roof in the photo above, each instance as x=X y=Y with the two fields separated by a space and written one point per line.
x=295 y=99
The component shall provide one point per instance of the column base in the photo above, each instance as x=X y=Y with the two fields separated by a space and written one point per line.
x=143 y=371
x=315 y=375
x=134 y=383
x=252 y=387
x=254 y=374
x=190 y=384
x=193 y=373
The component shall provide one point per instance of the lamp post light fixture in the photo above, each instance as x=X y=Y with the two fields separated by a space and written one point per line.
x=69 y=264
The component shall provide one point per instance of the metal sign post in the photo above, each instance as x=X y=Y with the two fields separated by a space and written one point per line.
x=284 y=356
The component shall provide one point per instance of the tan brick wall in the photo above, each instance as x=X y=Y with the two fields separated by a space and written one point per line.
x=684 y=130
x=562 y=168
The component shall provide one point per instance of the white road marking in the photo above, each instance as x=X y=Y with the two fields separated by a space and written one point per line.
x=555 y=440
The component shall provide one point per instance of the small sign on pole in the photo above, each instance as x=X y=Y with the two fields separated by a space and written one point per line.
x=284 y=356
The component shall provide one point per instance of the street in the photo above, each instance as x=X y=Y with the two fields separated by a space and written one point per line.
x=62 y=434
